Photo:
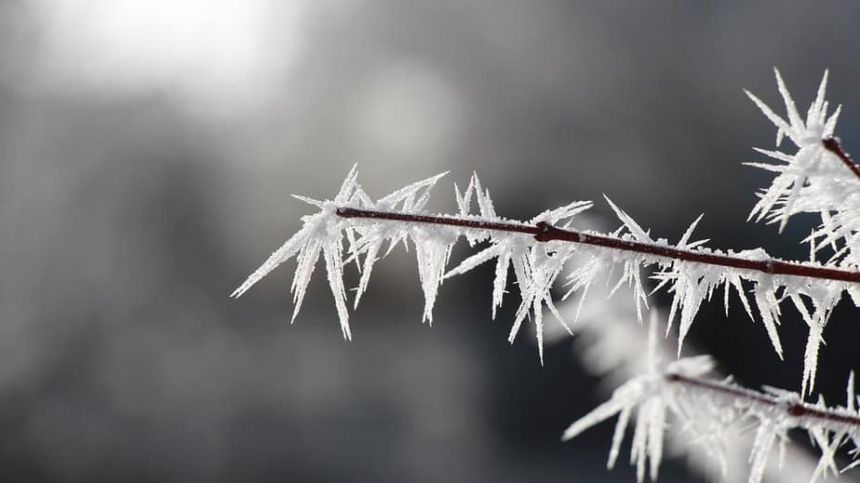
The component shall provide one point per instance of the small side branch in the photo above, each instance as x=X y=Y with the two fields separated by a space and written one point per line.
x=828 y=417
x=545 y=232
x=834 y=146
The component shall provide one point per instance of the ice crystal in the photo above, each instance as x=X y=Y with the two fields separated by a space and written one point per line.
x=780 y=200
x=321 y=233
x=611 y=346
x=678 y=396
x=809 y=180
x=645 y=394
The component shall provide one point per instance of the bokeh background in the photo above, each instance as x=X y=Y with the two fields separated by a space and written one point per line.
x=148 y=150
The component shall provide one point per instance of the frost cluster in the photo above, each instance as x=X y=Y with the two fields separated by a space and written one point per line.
x=710 y=413
x=353 y=227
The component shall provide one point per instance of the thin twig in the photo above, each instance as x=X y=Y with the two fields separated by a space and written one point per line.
x=834 y=146
x=545 y=232
x=795 y=409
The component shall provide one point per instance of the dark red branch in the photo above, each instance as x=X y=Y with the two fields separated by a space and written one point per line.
x=833 y=145
x=796 y=409
x=544 y=232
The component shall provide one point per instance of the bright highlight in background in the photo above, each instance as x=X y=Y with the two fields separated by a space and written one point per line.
x=216 y=54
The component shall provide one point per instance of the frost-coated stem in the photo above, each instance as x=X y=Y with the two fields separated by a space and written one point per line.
x=706 y=409
x=795 y=409
x=834 y=146
x=545 y=232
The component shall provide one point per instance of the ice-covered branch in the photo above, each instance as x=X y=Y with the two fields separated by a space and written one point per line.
x=544 y=232
x=539 y=250
x=813 y=179
x=611 y=347
x=834 y=146
x=352 y=227
x=712 y=410
x=832 y=419
x=707 y=409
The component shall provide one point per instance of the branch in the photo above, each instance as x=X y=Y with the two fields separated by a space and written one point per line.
x=710 y=411
x=799 y=409
x=545 y=232
x=690 y=272
x=834 y=146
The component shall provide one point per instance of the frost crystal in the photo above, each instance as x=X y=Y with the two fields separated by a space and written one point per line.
x=811 y=179
x=321 y=233
x=709 y=412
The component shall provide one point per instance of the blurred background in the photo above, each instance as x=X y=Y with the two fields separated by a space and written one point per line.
x=148 y=150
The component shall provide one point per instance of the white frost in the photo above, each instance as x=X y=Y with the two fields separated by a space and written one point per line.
x=812 y=179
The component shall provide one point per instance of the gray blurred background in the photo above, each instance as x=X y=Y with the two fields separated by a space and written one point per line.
x=148 y=150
